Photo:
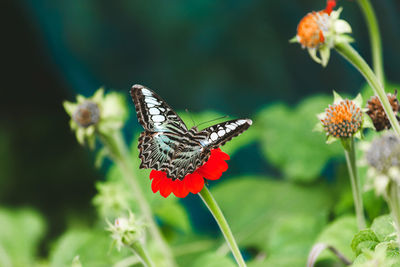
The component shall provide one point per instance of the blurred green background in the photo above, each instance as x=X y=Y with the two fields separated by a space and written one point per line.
x=228 y=56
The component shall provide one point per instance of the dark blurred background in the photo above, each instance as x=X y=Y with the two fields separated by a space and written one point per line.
x=230 y=56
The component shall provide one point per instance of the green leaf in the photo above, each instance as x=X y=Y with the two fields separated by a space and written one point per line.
x=339 y=235
x=213 y=259
x=288 y=142
x=365 y=239
x=384 y=255
x=21 y=231
x=174 y=214
x=256 y=208
x=383 y=227
x=92 y=246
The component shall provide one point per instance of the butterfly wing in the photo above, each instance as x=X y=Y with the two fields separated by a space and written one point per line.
x=154 y=114
x=155 y=150
x=176 y=155
x=217 y=135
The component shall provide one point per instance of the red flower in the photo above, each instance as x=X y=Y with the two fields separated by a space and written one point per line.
x=194 y=182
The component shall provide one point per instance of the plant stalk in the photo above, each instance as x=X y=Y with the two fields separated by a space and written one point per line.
x=394 y=205
x=213 y=207
x=138 y=249
x=349 y=53
x=120 y=154
x=355 y=184
x=375 y=39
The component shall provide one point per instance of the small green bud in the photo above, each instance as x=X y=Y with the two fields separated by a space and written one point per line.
x=126 y=231
x=99 y=113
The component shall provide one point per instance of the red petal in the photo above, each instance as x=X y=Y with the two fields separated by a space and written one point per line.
x=215 y=166
x=218 y=153
x=154 y=174
x=194 y=182
x=330 y=4
x=180 y=189
x=155 y=185
x=166 y=187
x=157 y=177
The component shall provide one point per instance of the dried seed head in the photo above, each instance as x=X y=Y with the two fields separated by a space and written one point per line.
x=342 y=120
x=377 y=113
x=311 y=29
x=87 y=114
x=384 y=153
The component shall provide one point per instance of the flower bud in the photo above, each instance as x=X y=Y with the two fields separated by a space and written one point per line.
x=126 y=231
x=87 y=114
x=320 y=31
x=384 y=153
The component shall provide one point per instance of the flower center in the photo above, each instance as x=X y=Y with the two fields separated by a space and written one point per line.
x=87 y=114
x=343 y=119
x=311 y=29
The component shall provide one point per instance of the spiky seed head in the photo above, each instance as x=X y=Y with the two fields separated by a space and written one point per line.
x=342 y=120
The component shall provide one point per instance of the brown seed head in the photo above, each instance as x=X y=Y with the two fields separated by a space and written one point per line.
x=377 y=113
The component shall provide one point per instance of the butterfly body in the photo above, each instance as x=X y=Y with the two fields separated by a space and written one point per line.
x=167 y=145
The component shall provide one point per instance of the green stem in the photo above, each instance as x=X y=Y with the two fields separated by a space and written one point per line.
x=354 y=58
x=394 y=205
x=120 y=154
x=375 y=38
x=139 y=250
x=212 y=205
x=355 y=183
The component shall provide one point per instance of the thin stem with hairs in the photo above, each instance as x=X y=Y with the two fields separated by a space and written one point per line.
x=355 y=183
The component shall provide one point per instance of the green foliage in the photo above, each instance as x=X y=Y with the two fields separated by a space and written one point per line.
x=339 y=235
x=20 y=234
x=381 y=256
x=288 y=141
x=383 y=227
x=365 y=239
x=212 y=259
x=377 y=245
x=93 y=246
x=275 y=217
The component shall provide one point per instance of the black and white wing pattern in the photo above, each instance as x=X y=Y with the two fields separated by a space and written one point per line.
x=217 y=135
x=167 y=145
x=153 y=113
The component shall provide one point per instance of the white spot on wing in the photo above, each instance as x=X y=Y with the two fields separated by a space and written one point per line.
x=221 y=133
x=146 y=92
x=154 y=111
x=158 y=118
x=240 y=122
x=214 y=136
x=231 y=126
x=151 y=100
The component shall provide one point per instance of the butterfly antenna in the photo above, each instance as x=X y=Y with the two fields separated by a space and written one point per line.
x=190 y=115
x=219 y=118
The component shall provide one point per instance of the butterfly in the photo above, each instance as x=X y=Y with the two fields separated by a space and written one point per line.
x=167 y=144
